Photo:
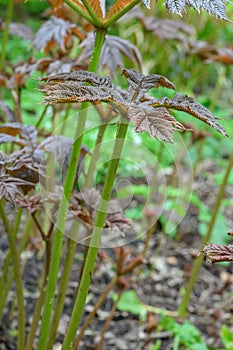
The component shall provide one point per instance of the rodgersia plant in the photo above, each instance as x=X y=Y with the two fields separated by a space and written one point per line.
x=133 y=104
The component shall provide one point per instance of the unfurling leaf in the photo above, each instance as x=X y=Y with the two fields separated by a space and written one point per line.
x=31 y=203
x=139 y=83
x=216 y=253
x=156 y=121
x=9 y=187
x=112 y=50
x=191 y=106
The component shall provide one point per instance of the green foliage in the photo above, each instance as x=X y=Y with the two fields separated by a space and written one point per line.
x=184 y=334
x=131 y=303
x=226 y=337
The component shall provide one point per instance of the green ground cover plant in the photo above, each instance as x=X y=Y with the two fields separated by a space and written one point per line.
x=77 y=87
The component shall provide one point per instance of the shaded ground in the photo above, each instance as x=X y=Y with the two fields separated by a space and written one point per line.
x=159 y=282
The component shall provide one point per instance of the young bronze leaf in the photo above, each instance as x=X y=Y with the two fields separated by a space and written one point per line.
x=191 y=106
x=4 y=138
x=168 y=29
x=55 y=30
x=217 y=253
x=70 y=87
x=139 y=83
x=82 y=76
x=9 y=187
x=113 y=48
x=156 y=121
x=27 y=134
x=72 y=92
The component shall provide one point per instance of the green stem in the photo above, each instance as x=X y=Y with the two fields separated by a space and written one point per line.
x=96 y=239
x=89 y=318
x=7 y=286
x=108 y=22
x=42 y=284
x=3 y=282
x=63 y=208
x=198 y=262
x=95 y=155
x=6 y=33
x=78 y=9
x=62 y=292
x=18 y=279
x=67 y=113
x=41 y=117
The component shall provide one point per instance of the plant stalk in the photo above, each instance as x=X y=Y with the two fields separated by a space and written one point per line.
x=8 y=283
x=95 y=155
x=199 y=261
x=63 y=208
x=17 y=275
x=95 y=239
x=87 y=321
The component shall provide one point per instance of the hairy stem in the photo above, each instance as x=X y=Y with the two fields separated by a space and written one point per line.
x=63 y=208
x=95 y=239
x=199 y=261
x=17 y=275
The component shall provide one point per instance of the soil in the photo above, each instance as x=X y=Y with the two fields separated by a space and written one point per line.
x=159 y=282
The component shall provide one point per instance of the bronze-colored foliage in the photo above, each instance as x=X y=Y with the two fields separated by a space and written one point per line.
x=209 y=53
x=31 y=203
x=163 y=28
x=217 y=253
x=84 y=205
x=189 y=105
x=54 y=31
x=26 y=134
x=113 y=48
x=156 y=121
x=139 y=84
x=134 y=102
x=10 y=186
